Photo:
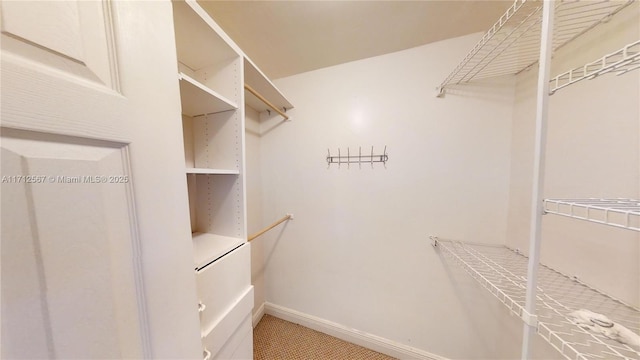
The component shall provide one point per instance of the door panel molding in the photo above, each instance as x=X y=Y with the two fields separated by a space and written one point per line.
x=81 y=41
x=54 y=180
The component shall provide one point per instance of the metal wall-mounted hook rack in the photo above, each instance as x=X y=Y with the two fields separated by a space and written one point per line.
x=357 y=159
x=268 y=103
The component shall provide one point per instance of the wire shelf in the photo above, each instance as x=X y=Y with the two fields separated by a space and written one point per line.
x=621 y=213
x=620 y=62
x=513 y=43
x=503 y=272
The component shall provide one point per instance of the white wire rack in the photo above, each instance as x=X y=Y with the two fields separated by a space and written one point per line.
x=622 y=213
x=503 y=271
x=513 y=43
x=620 y=62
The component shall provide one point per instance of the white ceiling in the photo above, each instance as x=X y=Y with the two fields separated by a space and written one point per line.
x=290 y=37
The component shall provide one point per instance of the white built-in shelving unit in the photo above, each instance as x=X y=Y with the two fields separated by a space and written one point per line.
x=209 y=73
x=212 y=73
x=210 y=80
x=528 y=33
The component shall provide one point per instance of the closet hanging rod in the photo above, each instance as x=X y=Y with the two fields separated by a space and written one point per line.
x=267 y=102
x=276 y=223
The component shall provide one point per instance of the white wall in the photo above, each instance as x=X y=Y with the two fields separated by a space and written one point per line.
x=593 y=150
x=459 y=167
x=357 y=252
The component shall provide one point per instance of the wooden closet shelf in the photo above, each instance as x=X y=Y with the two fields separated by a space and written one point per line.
x=621 y=213
x=206 y=171
x=197 y=99
x=207 y=248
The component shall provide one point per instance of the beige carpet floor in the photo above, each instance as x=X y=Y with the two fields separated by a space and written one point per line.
x=277 y=339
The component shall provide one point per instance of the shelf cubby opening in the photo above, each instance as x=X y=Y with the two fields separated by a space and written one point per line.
x=203 y=54
x=216 y=204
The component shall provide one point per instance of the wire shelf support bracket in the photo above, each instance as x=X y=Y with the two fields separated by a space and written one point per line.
x=367 y=158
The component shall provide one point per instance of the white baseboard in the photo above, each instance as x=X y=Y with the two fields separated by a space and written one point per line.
x=258 y=314
x=370 y=341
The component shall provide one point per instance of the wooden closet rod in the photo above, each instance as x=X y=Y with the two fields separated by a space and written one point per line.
x=288 y=217
x=264 y=100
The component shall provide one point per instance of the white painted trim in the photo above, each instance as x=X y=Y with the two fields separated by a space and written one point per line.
x=138 y=263
x=258 y=314
x=370 y=341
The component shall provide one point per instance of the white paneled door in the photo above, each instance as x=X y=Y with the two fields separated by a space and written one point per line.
x=72 y=262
